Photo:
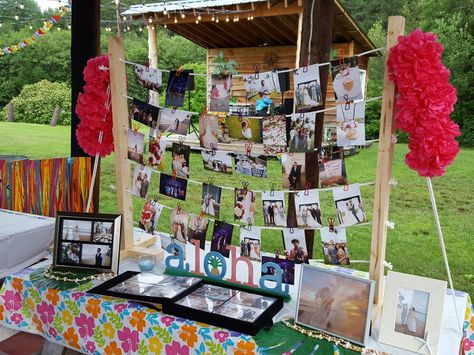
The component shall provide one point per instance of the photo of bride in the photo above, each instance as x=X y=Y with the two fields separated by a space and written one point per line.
x=244 y=207
x=180 y=160
x=208 y=131
x=179 y=225
x=307 y=88
x=211 y=200
x=274 y=208
x=308 y=213
x=412 y=308
x=250 y=243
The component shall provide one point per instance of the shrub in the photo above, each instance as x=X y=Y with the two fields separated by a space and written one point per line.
x=36 y=103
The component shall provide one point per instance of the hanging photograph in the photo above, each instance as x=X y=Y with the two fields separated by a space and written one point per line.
x=335 y=303
x=251 y=165
x=221 y=237
x=197 y=229
x=179 y=225
x=180 y=159
x=245 y=128
x=300 y=132
x=274 y=208
x=219 y=97
x=250 y=243
x=274 y=134
x=308 y=212
x=173 y=187
x=335 y=247
x=346 y=79
x=287 y=268
x=208 y=131
x=307 y=88
x=259 y=83
x=136 y=146
x=151 y=213
x=141 y=180
x=176 y=88
x=295 y=245
x=349 y=206
x=149 y=78
x=217 y=161
x=350 y=124
x=411 y=312
x=156 y=151
x=244 y=206
x=174 y=121
x=293 y=170
x=332 y=172
x=145 y=113
x=211 y=200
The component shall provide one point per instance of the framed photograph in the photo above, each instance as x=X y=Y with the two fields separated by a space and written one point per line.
x=173 y=187
x=179 y=225
x=332 y=172
x=250 y=243
x=244 y=206
x=253 y=165
x=141 y=180
x=335 y=246
x=156 y=151
x=293 y=170
x=145 y=113
x=335 y=303
x=208 y=131
x=308 y=212
x=221 y=237
x=287 y=267
x=174 y=121
x=245 y=128
x=136 y=146
x=149 y=78
x=211 y=200
x=217 y=161
x=350 y=124
x=197 y=229
x=294 y=241
x=151 y=213
x=273 y=203
x=349 y=206
x=300 y=132
x=307 y=88
x=180 y=159
x=176 y=88
x=346 y=79
x=220 y=93
x=412 y=312
x=88 y=241
x=274 y=134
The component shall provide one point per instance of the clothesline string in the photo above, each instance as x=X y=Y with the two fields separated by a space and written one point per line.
x=276 y=71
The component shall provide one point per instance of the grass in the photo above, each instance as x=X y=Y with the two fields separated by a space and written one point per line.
x=412 y=247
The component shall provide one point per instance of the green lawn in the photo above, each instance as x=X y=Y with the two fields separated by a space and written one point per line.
x=412 y=247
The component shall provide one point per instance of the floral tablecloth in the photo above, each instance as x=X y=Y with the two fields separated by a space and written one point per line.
x=103 y=325
x=469 y=329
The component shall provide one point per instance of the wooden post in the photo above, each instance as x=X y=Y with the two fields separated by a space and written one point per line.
x=118 y=88
x=153 y=57
x=10 y=115
x=396 y=27
x=55 y=118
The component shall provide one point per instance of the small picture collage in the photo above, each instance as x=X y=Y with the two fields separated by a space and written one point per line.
x=85 y=243
x=239 y=305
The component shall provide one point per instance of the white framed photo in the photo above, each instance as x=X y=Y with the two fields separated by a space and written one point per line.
x=412 y=312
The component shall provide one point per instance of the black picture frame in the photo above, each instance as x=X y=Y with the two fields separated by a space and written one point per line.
x=79 y=235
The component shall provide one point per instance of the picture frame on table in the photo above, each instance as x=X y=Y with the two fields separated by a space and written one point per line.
x=325 y=297
x=412 y=312
x=87 y=241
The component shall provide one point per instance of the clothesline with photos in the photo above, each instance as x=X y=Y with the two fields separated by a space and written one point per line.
x=274 y=71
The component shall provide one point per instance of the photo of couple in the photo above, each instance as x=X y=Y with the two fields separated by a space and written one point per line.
x=136 y=146
x=197 y=229
x=244 y=206
x=335 y=248
x=179 y=225
x=174 y=121
x=221 y=237
x=157 y=151
x=274 y=208
x=308 y=213
x=412 y=310
x=150 y=215
x=217 y=161
x=141 y=180
x=287 y=268
x=147 y=77
x=250 y=243
x=76 y=230
x=211 y=198
x=180 y=160
x=173 y=187
x=307 y=88
x=300 y=132
x=350 y=210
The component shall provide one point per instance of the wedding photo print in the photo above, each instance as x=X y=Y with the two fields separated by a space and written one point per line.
x=174 y=121
x=346 y=79
x=151 y=213
x=293 y=171
x=136 y=146
x=244 y=206
x=141 y=180
x=251 y=165
x=335 y=303
x=221 y=237
x=211 y=200
x=179 y=225
x=176 y=88
x=308 y=213
x=77 y=230
x=245 y=128
x=180 y=159
x=250 y=244
x=157 y=151
x=220 y=93
x=349 y=206
x=273 y=203
x=263 y=82
x=332 y=172
x=307 y=88
x=217 y=161
x=173 y=187
x=294 y=241
x=300 y=132
x=335 y=247
x=208 y=131
x=197 y=229
x=149 y=78
x=143 y=112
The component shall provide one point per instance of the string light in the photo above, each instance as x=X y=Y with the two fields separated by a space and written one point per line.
x=150 y=20
x=16 y=17
x=140 y=29
x=128 y=28
x=165 y=12
x=1 y=24
x=165 y=26
x=21 y=6
x=213 y=18
x=199 y=17
x=125 y=18
x=197 y=21
x=68 y=27
x=227 y=19
x=175 y=20
x=59 y=28
x=183 y=15
x=217 y=19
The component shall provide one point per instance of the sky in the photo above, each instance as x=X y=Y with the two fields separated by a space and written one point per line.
x=45 y=4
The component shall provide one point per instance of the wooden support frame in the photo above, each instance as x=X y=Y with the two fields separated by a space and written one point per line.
x=118 y=90
x=396 y=27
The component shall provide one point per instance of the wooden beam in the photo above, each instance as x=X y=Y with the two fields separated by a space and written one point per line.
x=396 y=27
x=118 y=88
x=279 y=31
